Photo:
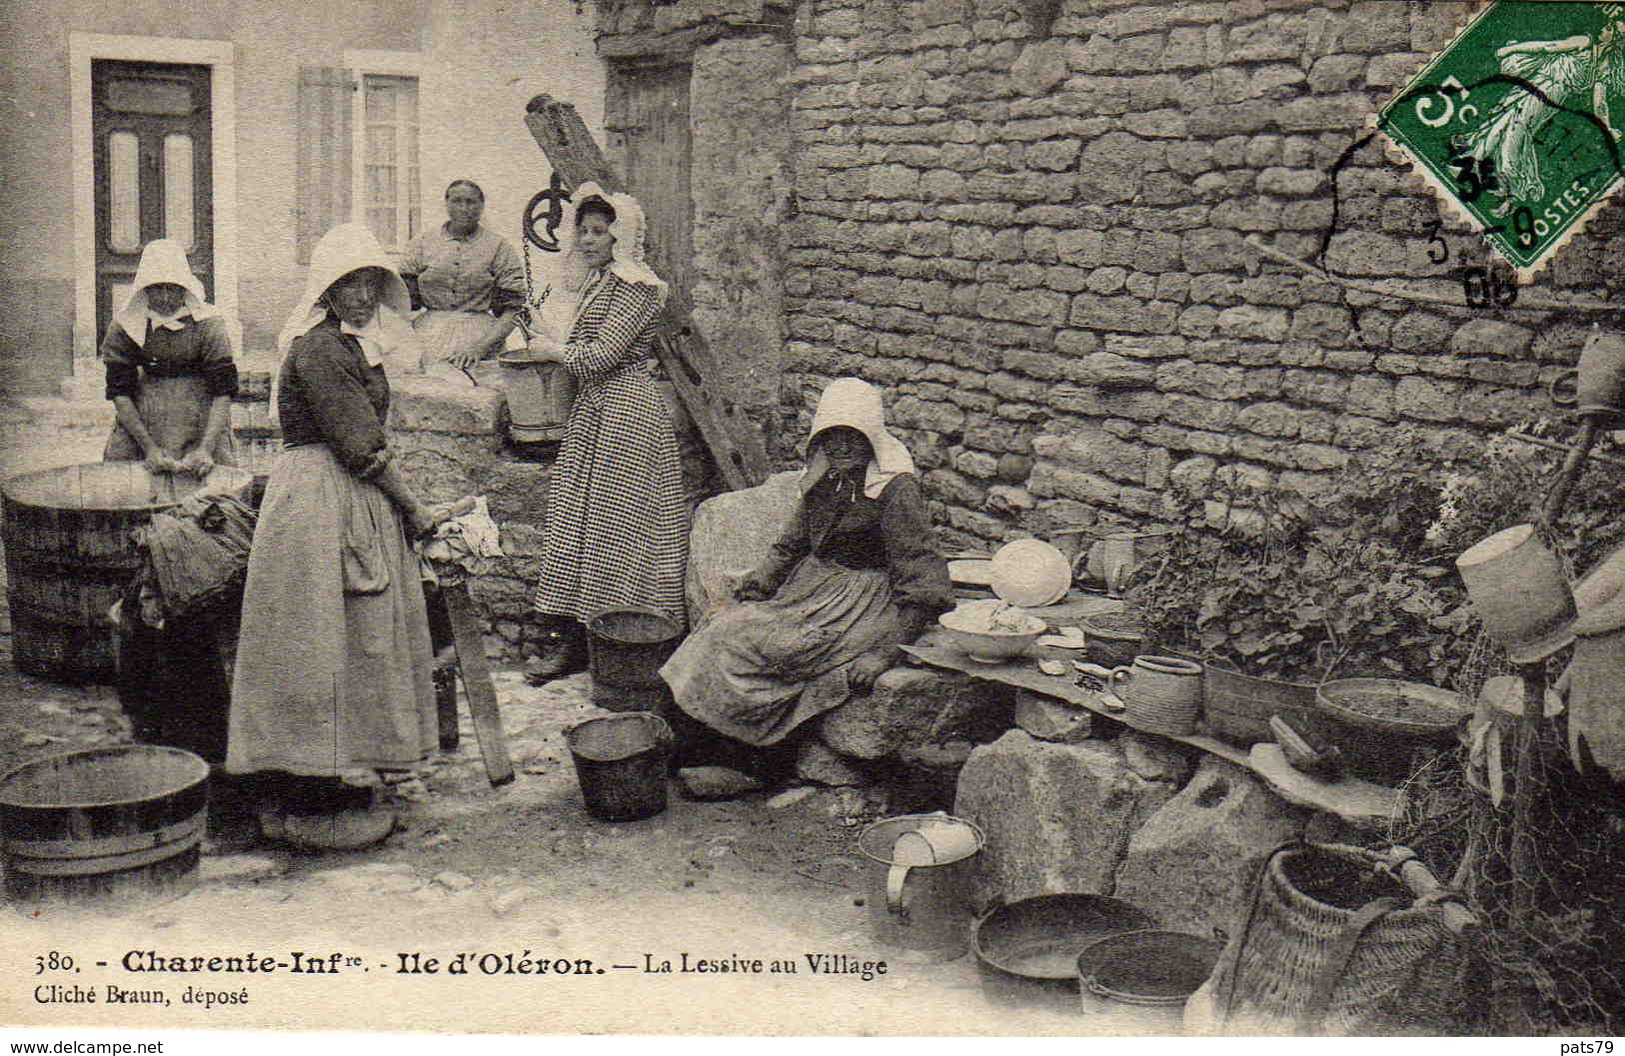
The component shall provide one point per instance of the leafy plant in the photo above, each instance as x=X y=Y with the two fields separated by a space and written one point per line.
x=1361 y=579
x=1284 y=587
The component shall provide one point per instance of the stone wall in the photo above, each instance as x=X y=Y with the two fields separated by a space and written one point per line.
x=1036 y=240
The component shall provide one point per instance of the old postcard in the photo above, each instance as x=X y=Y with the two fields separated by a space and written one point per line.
x=871 y=518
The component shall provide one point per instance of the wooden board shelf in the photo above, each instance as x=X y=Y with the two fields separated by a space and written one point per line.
x=1357 y=802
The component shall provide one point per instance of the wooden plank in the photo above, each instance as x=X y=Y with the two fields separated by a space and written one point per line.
x=735 y=443
x=482 y=692
x=1356 y=801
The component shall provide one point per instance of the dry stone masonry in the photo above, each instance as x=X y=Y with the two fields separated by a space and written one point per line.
x=1037 y=240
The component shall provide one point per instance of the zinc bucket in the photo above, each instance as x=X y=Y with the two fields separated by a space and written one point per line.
x=116 y=824
x=70 y=553
x=620 y=763
x=1153 y=972
x=625 y=649
x=1518 y=589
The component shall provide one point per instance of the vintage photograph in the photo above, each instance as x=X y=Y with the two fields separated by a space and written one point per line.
x=809 y=518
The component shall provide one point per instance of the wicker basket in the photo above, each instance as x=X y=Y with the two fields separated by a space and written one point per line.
x=1238 y=707
x=1364 y=717
x=1113 y=637
x=1311 y=901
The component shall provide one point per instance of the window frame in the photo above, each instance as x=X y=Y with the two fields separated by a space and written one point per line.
x=361 y=65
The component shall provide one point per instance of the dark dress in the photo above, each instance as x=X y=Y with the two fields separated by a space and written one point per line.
x=333 y=667
x=844 y=567
x=173 y=378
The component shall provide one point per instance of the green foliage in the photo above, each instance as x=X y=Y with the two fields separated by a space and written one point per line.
x=1360 y=579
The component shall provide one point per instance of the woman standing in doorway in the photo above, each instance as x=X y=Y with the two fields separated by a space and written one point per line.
x=170 y=372
x=617 y=520
x=468 y=279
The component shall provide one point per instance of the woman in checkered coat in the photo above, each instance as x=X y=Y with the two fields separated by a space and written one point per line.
x=617 y=520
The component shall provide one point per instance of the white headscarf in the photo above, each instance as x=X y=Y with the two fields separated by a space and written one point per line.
x=162 y=260
x=855 y=403
x=347 y=248
x=558 y=313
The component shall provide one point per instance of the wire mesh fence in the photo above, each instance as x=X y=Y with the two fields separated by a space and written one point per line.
x=1549 y=889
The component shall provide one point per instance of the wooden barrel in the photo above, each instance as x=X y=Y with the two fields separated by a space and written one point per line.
x=70 y=554
x=119 y=823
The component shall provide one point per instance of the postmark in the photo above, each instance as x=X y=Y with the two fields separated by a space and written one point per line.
x=1517 y=123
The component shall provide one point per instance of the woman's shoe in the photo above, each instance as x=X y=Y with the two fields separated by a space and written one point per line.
x=563 y=653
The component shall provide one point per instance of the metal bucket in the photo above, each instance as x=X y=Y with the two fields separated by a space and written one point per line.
x=1518 y=588
x=539 y=399
x=620 y=763
x=918 y=903
x=1153 y=972
x=116 y=824
x=70 y=554
x=625 y=650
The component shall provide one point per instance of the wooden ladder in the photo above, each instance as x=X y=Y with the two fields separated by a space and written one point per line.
x=734 y=442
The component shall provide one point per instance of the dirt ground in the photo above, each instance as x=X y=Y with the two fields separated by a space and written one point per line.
x=520 y=870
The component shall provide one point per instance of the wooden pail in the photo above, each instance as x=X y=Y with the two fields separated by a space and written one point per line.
x=70 y=554
x=119 y=823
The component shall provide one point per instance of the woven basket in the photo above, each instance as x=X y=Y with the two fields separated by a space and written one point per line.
x=1399 y=977
x=1113 y=637
x=1238 y=707
x=1162 y=694
x=1381 y=722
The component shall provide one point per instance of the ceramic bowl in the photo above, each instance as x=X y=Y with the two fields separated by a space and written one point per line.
x=1030 y=573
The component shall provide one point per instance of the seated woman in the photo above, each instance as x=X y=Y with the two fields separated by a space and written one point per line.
x=853 y=576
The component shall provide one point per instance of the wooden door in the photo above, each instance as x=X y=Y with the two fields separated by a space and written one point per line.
x=648 y=122
x=151 y=126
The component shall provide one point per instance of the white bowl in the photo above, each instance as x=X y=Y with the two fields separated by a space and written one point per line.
x=966 y=630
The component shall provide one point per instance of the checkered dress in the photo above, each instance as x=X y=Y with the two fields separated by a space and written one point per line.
x=617 y=521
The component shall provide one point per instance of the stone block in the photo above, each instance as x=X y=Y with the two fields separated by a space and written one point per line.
x=1050 y=719
x=1154 y=758
x=517 y=491
x=731 y=535
x=911 y=706
x=1192 y=863
x=1491 y=337
x=1057 y=816
x=442 y=467
x=435 y=405
x=822 y=765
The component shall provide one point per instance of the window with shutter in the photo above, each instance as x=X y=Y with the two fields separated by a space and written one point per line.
x=325 y=146
x=389 y=159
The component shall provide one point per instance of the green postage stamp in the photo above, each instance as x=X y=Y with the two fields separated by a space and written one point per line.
x=1517 y=123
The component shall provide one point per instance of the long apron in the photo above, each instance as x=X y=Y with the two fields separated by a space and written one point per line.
x=333 y=664
x=175 y=412
x=758 y=670
x=440 y=332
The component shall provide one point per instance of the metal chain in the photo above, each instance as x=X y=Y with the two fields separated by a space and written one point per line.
x=533 y=301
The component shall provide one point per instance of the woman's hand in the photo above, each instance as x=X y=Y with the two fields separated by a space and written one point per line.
x=423 y=518
x=752 y=586
x=546 y=350
x=466 y=355
x=870 y=666
x=159 y=461
x=197 y=462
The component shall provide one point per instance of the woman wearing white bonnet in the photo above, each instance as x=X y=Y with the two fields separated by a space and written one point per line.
x=617 y=520
x=333 y=670
x=854 y=574
x=170 y=372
